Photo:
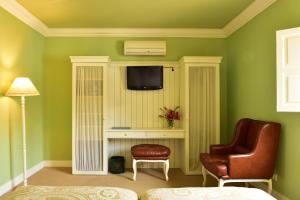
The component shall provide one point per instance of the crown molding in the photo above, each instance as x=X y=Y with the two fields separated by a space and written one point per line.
x=136 y=32
x=247 y=15
x=13 y=7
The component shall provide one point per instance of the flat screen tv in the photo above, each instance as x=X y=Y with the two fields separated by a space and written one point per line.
x=144 y=77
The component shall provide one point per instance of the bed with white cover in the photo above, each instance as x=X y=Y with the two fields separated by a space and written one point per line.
x=114 y=193
x=70 y=193
x=206 y=193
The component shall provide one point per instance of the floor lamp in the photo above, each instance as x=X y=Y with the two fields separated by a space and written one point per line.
x=22 y=87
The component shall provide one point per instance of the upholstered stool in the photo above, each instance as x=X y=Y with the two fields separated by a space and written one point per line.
x=150 y=153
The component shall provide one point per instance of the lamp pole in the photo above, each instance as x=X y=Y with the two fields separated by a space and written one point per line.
x=24 y=140
x=21 y=87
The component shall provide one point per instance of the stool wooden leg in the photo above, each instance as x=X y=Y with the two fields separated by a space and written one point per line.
x=134 y=169
x=167 y=165
x=164 y=168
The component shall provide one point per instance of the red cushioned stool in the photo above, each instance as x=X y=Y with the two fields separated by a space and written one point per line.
x=150 y=153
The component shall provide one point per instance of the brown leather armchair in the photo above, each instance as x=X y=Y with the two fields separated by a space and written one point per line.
x=250 y=157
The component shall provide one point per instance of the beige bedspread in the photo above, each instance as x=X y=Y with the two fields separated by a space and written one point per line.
x=225 y=193
x=70 y=193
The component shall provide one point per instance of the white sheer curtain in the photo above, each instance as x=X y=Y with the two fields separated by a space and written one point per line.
x=202 y=84
x=88 y=137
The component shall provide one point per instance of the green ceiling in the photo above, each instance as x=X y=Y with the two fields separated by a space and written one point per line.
x=136 y=13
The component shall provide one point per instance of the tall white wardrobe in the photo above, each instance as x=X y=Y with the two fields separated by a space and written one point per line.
x=199 y=102
x=88 y=114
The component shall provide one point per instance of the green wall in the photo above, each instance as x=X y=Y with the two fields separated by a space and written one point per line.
x=57 y=75
x=248 y=86
x=21 y=54
x=252 y=85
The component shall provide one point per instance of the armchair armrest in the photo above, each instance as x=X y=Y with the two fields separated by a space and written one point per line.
x=248 y=166
x=221 y=149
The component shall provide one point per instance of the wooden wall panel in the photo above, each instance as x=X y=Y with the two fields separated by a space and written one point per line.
x=140 y=109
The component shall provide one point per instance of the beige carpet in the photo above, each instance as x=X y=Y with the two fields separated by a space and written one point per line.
x=146 y=179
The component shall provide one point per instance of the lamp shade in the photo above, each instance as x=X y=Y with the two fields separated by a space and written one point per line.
x=22 y=86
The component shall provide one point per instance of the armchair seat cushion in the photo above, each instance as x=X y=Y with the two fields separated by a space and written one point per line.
x=216 y=164
x=218 y=169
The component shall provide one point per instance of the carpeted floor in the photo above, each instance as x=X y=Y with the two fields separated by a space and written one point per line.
x=146 y=179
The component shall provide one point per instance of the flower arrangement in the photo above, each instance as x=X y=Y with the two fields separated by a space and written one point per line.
x=170 y=115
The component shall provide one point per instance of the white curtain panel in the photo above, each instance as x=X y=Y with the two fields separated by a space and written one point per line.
x=88 y=137
x=202 y=119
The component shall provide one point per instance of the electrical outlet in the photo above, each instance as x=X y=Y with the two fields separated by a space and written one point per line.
x=275 y=177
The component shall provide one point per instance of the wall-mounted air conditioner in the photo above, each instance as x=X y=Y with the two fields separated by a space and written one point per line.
x=145 y=48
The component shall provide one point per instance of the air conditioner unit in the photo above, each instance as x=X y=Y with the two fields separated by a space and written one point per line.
x=145 y=48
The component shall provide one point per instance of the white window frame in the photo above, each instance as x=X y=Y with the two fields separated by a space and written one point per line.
x=288 y=73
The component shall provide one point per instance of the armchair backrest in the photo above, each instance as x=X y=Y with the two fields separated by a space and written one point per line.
x=261 y=140
x=248 y=131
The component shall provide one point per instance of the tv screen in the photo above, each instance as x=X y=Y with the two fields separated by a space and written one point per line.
x=144 y=77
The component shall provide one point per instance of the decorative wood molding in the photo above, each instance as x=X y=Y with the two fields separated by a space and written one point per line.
x=144 y=63
x=89 y=59
x=13 y=7
x=244 y=17
x=201 y=59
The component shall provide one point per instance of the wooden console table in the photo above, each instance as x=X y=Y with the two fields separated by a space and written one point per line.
x=144 y=133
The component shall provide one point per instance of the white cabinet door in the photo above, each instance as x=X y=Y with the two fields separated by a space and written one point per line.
x=288 y=70
x=88 y=143
x=200 y=106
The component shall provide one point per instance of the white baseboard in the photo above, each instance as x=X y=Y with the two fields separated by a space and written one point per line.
x=6 y=187
x=57 y=163
x=275 y=193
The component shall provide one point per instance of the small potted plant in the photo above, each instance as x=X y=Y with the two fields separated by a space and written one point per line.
x=170 y=115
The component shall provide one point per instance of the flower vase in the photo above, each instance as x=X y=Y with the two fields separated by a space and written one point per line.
x=170 y=124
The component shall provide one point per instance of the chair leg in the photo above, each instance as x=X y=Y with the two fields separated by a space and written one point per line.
x=204 y=176
x=270 y=186
x=221 y=182
x=164 y=168
x=134 y=169
x=167 y=165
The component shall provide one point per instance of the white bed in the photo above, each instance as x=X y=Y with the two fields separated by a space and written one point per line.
x=70 y=193
x=213 y=193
